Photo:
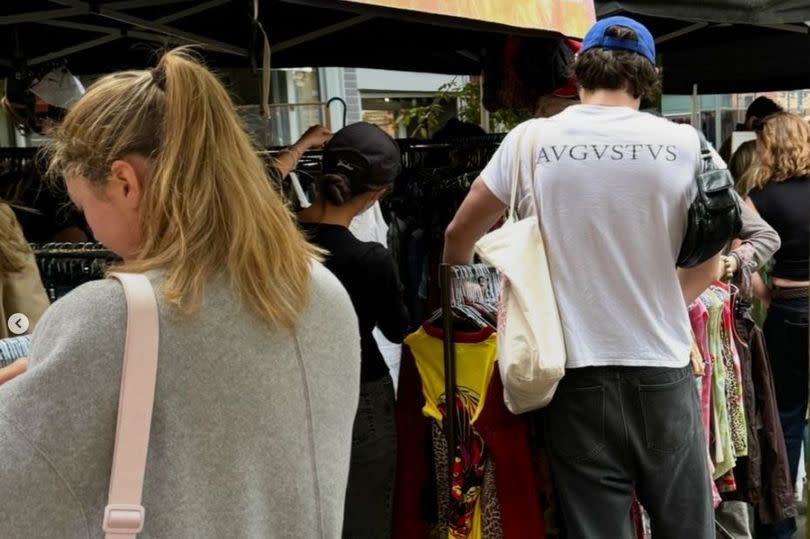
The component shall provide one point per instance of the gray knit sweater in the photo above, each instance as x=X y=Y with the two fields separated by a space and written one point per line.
x=251 y=432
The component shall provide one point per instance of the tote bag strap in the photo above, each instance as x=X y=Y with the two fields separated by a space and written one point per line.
x=124 y=514
x=528 y=141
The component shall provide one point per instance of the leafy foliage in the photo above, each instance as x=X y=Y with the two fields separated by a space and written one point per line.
x=425 y=119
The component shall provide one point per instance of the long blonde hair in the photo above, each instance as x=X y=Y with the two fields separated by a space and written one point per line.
x=13 y=247
x=783 y=148
x=208 y=204
x=745 y=168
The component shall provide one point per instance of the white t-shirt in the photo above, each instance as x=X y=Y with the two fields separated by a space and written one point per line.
x=613 y=188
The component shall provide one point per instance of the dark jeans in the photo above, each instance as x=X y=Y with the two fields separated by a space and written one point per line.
x=616 y=432
x=786 y=336
x=369 y=496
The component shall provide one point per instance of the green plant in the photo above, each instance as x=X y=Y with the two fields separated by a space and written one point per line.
x=425 y=119
x=506 y=119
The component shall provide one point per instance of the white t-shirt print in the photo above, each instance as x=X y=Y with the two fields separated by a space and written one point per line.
x=613 y=188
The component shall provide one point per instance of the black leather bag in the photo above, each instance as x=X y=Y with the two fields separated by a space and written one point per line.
x=714 y=216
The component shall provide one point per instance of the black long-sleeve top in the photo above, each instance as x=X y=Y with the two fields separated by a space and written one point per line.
x=368 y=274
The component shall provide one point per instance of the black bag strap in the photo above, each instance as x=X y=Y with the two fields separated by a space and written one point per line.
x=707 y=161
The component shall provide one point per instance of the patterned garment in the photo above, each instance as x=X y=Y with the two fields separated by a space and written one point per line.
x=699 y=317
x=727 y=483
x=734 y=385
x=491 y=522
x=723 y=447
x=440 y=459
x=475 y=363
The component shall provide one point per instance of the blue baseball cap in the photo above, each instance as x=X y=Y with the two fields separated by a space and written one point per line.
x=596 y=38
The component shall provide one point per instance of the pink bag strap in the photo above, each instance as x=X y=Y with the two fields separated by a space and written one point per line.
x=124 y=514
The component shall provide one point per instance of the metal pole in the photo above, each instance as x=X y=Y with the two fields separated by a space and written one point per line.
x=484 y=111
x=445 y=281
x=695 y=107
x=718 y=122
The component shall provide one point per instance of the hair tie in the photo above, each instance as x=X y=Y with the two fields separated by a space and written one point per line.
x=159 y=77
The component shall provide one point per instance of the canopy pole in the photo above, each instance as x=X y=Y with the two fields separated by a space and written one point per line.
x=484 y=113
x=695 y=107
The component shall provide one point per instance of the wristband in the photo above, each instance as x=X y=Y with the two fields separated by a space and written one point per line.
x=729 y=274
x=295 y=153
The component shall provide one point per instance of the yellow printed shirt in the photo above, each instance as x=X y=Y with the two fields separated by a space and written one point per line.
x=476 y=354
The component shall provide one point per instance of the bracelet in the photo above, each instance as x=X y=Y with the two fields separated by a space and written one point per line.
x=295 y=152
x=729 y=274
x=738 y=258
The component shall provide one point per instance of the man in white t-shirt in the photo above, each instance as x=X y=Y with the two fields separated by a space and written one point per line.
x=612 y=188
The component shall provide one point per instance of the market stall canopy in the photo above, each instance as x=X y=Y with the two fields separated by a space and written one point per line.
x=728 y=11
x=417 y=35
x=726 y=46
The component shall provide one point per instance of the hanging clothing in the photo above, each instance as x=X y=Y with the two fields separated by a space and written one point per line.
x=475 y=362
x=734 y=386
x=723 y=455
x=765 y=474
x=421 y=483
x=370 y=226
x=699 y=317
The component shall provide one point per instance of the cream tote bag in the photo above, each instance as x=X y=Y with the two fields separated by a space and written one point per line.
x=531 y=347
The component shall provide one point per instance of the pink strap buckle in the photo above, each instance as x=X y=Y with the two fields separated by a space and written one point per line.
x=123 y=519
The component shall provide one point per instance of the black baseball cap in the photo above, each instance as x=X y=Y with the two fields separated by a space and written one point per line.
x=365 y=154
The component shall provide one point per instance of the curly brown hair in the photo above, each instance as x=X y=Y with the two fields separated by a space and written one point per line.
x=783 y=148
x=603 y=69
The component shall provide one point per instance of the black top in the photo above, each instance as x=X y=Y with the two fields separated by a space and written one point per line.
x=367 y=272
x=786 y=207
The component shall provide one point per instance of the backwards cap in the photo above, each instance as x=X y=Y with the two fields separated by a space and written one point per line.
x=597 y=38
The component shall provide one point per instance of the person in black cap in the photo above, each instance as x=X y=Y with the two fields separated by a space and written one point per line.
x=611 y=187
x=360 y=164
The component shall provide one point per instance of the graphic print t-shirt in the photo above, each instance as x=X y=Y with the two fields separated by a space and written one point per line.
x=613 y=188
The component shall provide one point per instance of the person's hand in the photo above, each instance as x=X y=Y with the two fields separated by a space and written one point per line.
x=761 y=290
x=727 y=267
x=314 y=137
x=14 y=370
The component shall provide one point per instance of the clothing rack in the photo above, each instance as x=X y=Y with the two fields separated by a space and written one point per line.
x=72 y=250
x=451 y=295
x=467 y=153
x=65 y=266
x=445 y=281
x=12 y=152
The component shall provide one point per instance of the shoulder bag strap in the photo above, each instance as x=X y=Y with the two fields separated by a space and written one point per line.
x=124 y=514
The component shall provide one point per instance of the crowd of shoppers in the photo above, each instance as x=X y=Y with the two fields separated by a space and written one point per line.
x=274 y=408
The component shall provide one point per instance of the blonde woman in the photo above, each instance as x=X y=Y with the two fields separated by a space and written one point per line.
x=21 y=289
x=757 y=241
x=781 y=196
x=744 y=166
x=259 y=364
